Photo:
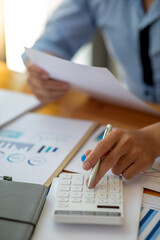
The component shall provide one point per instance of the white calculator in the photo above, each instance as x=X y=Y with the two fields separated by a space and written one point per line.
x=76 y=203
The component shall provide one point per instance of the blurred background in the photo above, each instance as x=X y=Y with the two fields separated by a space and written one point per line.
x=21 y=23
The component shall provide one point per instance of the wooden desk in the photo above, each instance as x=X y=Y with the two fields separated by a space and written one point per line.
x=78 y=105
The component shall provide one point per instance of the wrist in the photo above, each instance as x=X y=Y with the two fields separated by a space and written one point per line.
x=152 y=133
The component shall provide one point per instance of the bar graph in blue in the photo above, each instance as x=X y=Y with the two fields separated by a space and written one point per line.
x=149 y=227
x=4 y=144
x=47 y=149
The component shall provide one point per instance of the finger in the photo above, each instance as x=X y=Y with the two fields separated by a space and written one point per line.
x=122 y=164
x=56 y=84
x=47 y=95
x=102 y=148
x=105 y=165
x=48 y=84
x=88 y=152
x=49 y=98
x=110 y=160
x=36 y=71
x=127 y=160
x=133 y=170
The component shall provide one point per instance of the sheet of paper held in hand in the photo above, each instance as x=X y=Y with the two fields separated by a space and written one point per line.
x=33 y=146
x=95 y=81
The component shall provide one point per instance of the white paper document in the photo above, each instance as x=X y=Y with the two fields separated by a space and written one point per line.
x=33 y=146
x=150 y=178
x=47 y=229
x=95 y=81
x=75 y=164
x=14 y=104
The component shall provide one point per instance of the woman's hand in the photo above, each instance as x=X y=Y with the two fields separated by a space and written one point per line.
x=45 y=89
x=125 y=152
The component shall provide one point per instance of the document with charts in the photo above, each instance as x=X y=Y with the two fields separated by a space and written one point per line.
x=33 y=147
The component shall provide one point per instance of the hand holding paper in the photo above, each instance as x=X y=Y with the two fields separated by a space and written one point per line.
x=95 y=81
x=45 y=88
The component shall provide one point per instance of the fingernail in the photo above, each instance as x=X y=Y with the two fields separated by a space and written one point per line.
x=86 y=165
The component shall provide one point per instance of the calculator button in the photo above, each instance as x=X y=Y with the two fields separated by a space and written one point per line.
x=114 y=184
x=103 y=180
x=76 y=200
x=65 y=181
x=76 y=194
x=64 y=188
x=115 y=189
x=77 y=177
x=86 y=189
x=89 y=195
x=63 y=199
x=115 y=195
x=63 y=204
x=113 y=178
x=65 y=176
x=102 y=201
x=89 y=200
x=63 y=194
x=102 y=195
x=115 y=201
x=77 y=182
x=77 y=188
x=102 y=188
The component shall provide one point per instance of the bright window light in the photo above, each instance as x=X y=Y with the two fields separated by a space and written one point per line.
x=24 y=21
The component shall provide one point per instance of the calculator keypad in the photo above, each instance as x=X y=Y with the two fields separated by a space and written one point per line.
x=75 y=198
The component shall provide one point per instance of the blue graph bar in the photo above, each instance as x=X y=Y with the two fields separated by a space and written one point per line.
x=55 y=149
x=83 y=158
x=147 y=219
x=149 y=228
x=155 y=232
x=100 y=136
x=48 y=149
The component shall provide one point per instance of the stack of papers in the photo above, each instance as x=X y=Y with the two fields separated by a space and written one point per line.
x=14 y=104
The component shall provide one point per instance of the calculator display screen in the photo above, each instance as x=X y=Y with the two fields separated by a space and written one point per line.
x=107 y=206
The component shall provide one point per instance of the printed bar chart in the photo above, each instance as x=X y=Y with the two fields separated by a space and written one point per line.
x=41 y=149
x=47 y=149
x=18 y=145
x=149 y=228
